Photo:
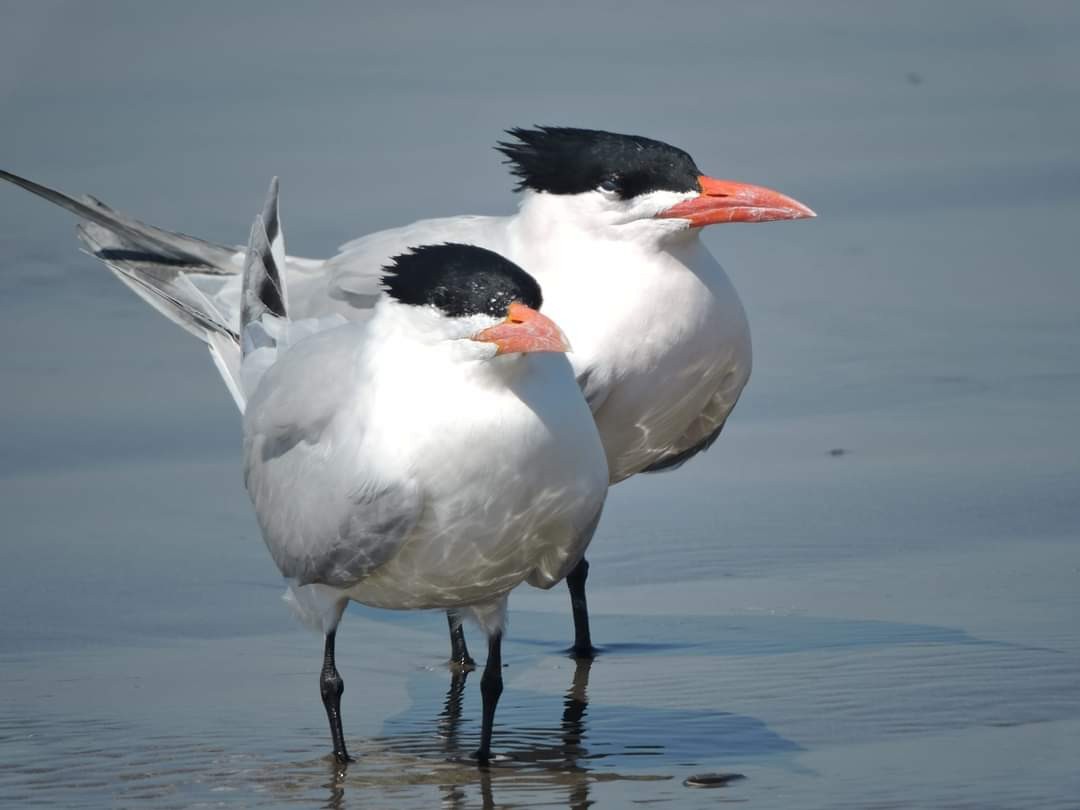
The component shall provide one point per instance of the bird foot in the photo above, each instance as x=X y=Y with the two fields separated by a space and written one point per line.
x=486 y=760
x=483 y=758
x=583 y=652
x=466 y=664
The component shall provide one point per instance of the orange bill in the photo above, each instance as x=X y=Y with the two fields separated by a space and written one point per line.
x=728 y=201
x=525 y=330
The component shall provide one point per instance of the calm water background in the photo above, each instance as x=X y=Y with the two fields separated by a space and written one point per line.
x=893 y=626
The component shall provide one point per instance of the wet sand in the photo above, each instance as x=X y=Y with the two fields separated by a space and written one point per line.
x=865 y=596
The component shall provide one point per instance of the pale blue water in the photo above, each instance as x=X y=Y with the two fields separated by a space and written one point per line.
x=894 y=626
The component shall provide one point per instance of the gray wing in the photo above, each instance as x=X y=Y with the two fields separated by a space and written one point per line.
x=330 y=507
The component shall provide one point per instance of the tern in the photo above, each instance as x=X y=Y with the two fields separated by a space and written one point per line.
x=434 y=455
x=607 y=223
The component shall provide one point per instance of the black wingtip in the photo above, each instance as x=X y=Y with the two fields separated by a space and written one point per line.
x=270 y=215
x=262 y=284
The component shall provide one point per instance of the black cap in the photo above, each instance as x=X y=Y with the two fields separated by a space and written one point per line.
x=563 y=160
x=460 y=280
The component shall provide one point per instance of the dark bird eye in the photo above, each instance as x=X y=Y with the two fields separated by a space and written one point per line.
x=609 y=184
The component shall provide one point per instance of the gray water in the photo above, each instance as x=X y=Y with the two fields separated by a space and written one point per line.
x=866 y=595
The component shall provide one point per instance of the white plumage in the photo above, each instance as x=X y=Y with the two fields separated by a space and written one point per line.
x=432 y=452
x=398 y=460
x=608 y=224
x=401 y=465
x=434 y=455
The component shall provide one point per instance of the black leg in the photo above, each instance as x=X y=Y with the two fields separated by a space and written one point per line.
x=575 y=581
x=491 y=686
x=459 y=653
x=331 y=686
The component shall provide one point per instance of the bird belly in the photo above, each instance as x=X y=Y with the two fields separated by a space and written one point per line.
x=680 y=370
x=505 y=505
x=473 y=551
x=648 y=416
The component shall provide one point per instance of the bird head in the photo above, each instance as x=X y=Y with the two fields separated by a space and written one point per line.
x=475 y=297
x=606 y=179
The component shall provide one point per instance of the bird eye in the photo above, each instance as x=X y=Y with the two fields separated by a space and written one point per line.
x=609 y=184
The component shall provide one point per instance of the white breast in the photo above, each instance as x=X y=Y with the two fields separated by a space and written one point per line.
x=513 y=480
x=659 y=339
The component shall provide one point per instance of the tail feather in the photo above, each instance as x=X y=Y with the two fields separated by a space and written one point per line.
x=175 y=273
x=153 y=262
x=225 y=353
x=233 y=300
x=160 y=284
x=172 y=293
x=143 y=240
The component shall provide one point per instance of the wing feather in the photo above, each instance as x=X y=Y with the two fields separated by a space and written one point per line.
x=325 y=517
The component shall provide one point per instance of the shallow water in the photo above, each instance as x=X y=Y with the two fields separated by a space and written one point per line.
x=893 y=625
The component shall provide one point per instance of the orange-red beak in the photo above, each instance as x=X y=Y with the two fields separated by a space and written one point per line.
x=728 y=201
x=525 y=330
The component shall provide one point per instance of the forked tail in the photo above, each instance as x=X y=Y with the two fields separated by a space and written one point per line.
x=179 y=275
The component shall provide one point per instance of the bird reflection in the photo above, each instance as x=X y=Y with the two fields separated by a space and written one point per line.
x=560 y=761
x=547 y=757
x=336 y=787
x=449 y=723
x=575 y=707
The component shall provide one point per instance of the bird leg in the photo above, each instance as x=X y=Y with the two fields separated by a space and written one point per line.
x=459 y=652
x=575 y=581
x=491 y=686
x=331 y=686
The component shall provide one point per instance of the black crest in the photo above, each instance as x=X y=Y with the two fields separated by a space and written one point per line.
x=562 y=160
x=460 y=280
